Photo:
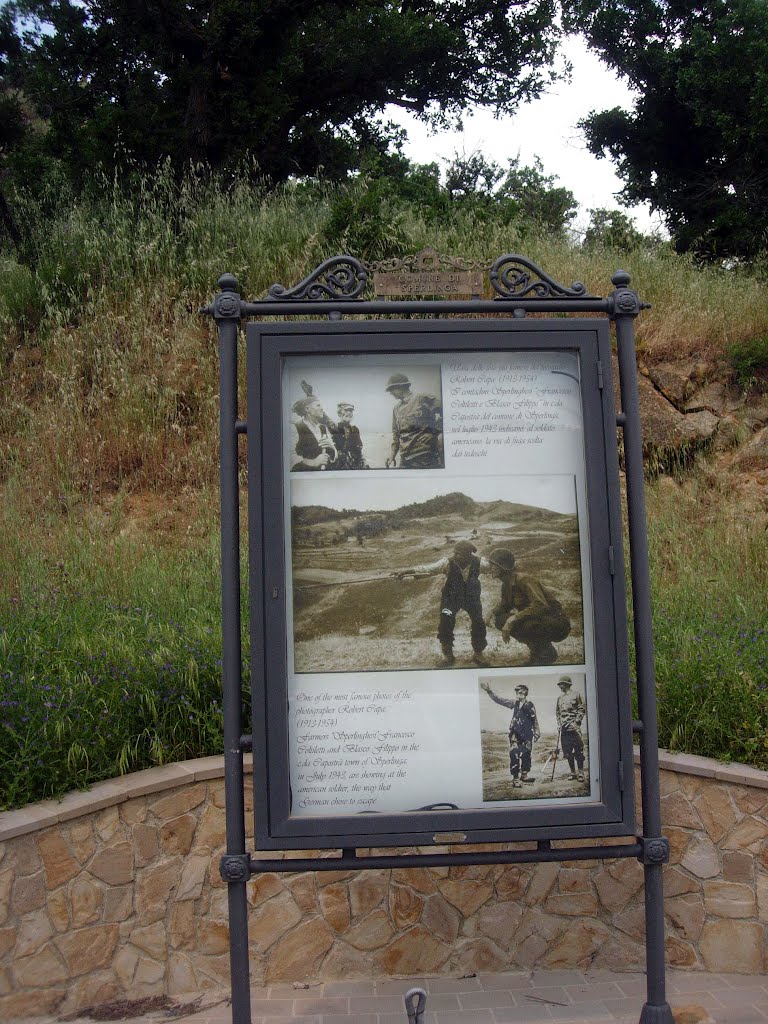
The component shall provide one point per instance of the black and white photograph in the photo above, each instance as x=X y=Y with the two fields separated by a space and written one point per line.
x=364 y=416
x=396 y=573
x=534 y=736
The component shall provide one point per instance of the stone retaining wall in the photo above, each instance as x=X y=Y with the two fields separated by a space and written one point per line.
x=116 y=892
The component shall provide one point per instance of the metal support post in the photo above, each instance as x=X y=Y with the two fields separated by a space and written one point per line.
x=234 y=866
x=626 y=306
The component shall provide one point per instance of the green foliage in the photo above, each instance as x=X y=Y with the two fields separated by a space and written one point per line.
x=710 y=625
x=612 y=229
x=297 y=83
x=110 y=655
x=695 y=144
x=747 y=358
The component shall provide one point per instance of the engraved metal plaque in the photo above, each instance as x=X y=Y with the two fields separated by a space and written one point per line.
x=429 y=282
x=427 y=273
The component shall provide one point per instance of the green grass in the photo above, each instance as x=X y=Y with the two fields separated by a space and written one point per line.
x=710 y=623
x=110 y=658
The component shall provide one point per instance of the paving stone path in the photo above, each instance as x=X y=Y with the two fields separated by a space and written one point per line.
x=530 y=997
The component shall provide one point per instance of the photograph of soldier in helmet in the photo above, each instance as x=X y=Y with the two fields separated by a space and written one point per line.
x=528 y=752
x=526 y=610
x=417 y=439
x=570 y=712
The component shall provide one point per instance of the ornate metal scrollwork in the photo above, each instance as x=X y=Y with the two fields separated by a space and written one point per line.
x=515 y=277
x=341 y=277
x=424 y=260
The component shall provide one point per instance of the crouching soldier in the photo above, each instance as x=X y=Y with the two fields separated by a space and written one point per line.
x=523 y=731
x=570 y=711
x=526 y=611
x=461 y=592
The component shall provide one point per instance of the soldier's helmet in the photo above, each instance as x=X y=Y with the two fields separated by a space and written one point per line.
x=464 y=547
x=521 y=688
x=503 y=558
x=565 y=682
x=345 y=405
x=397 y=380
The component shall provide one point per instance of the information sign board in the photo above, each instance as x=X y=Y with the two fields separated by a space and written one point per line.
x=437 y=612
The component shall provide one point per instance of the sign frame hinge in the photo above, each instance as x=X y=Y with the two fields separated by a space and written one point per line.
x=600 y=379
x=621 y=776
x=611 y=560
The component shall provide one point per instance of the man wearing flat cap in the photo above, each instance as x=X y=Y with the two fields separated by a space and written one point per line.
x=417 y=438
x=523 y=731
x=461 y=592
x=570 y=711
x=346 y=438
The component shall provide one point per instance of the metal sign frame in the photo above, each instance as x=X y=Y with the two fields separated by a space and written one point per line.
x=332 y=291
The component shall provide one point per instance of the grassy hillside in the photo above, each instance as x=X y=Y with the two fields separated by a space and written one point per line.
x=108 y=468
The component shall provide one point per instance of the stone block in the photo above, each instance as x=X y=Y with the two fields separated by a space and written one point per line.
x=542 y=882
x=762 y=898
x=405 y=906
x=28 y=894
x=124 y=965
x=571 y=880
x=146 y=844
x=151 y=939
x=419 y=879
x=58 y=909
x=373 y=932
x=304 y=890
x=716 y=810
x=133 y=812
x=298 y=954
x=192 y=878
x=270 y=922
x=678 y=842
x=481 y=956
x=496 y=921
x=86 y=898
x=79 y=835
x=676 y=810
x=631 y=921
x=88 y=949
x=7 y=940
x=58 y=862
x=181 y=978
x=701 y=858
x=577 y=904
x=42 y=969
x=467 y=895
x=512 y=882
x=729 y=899
x=114 y=864
x=26 y=854
x=334 y=906
x=178 y=801
x=366 y=892
x=148 y=978
x=182 y=926
x=118 y=903
x=679 y=953
x=176 y=834
x=212 y=938
x=211 y=829
x=577 y=946
x=687 y=914
x=732 y=946
x=34 y=931
x=154 y=887
x=90 y=991
x=441 y=918
x=749 y=832
x=738 y=866
x=415 y=952
x=263 y=887
x=107 y=824
x=677 y=881
x=28 y=1004
x=6 y=883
